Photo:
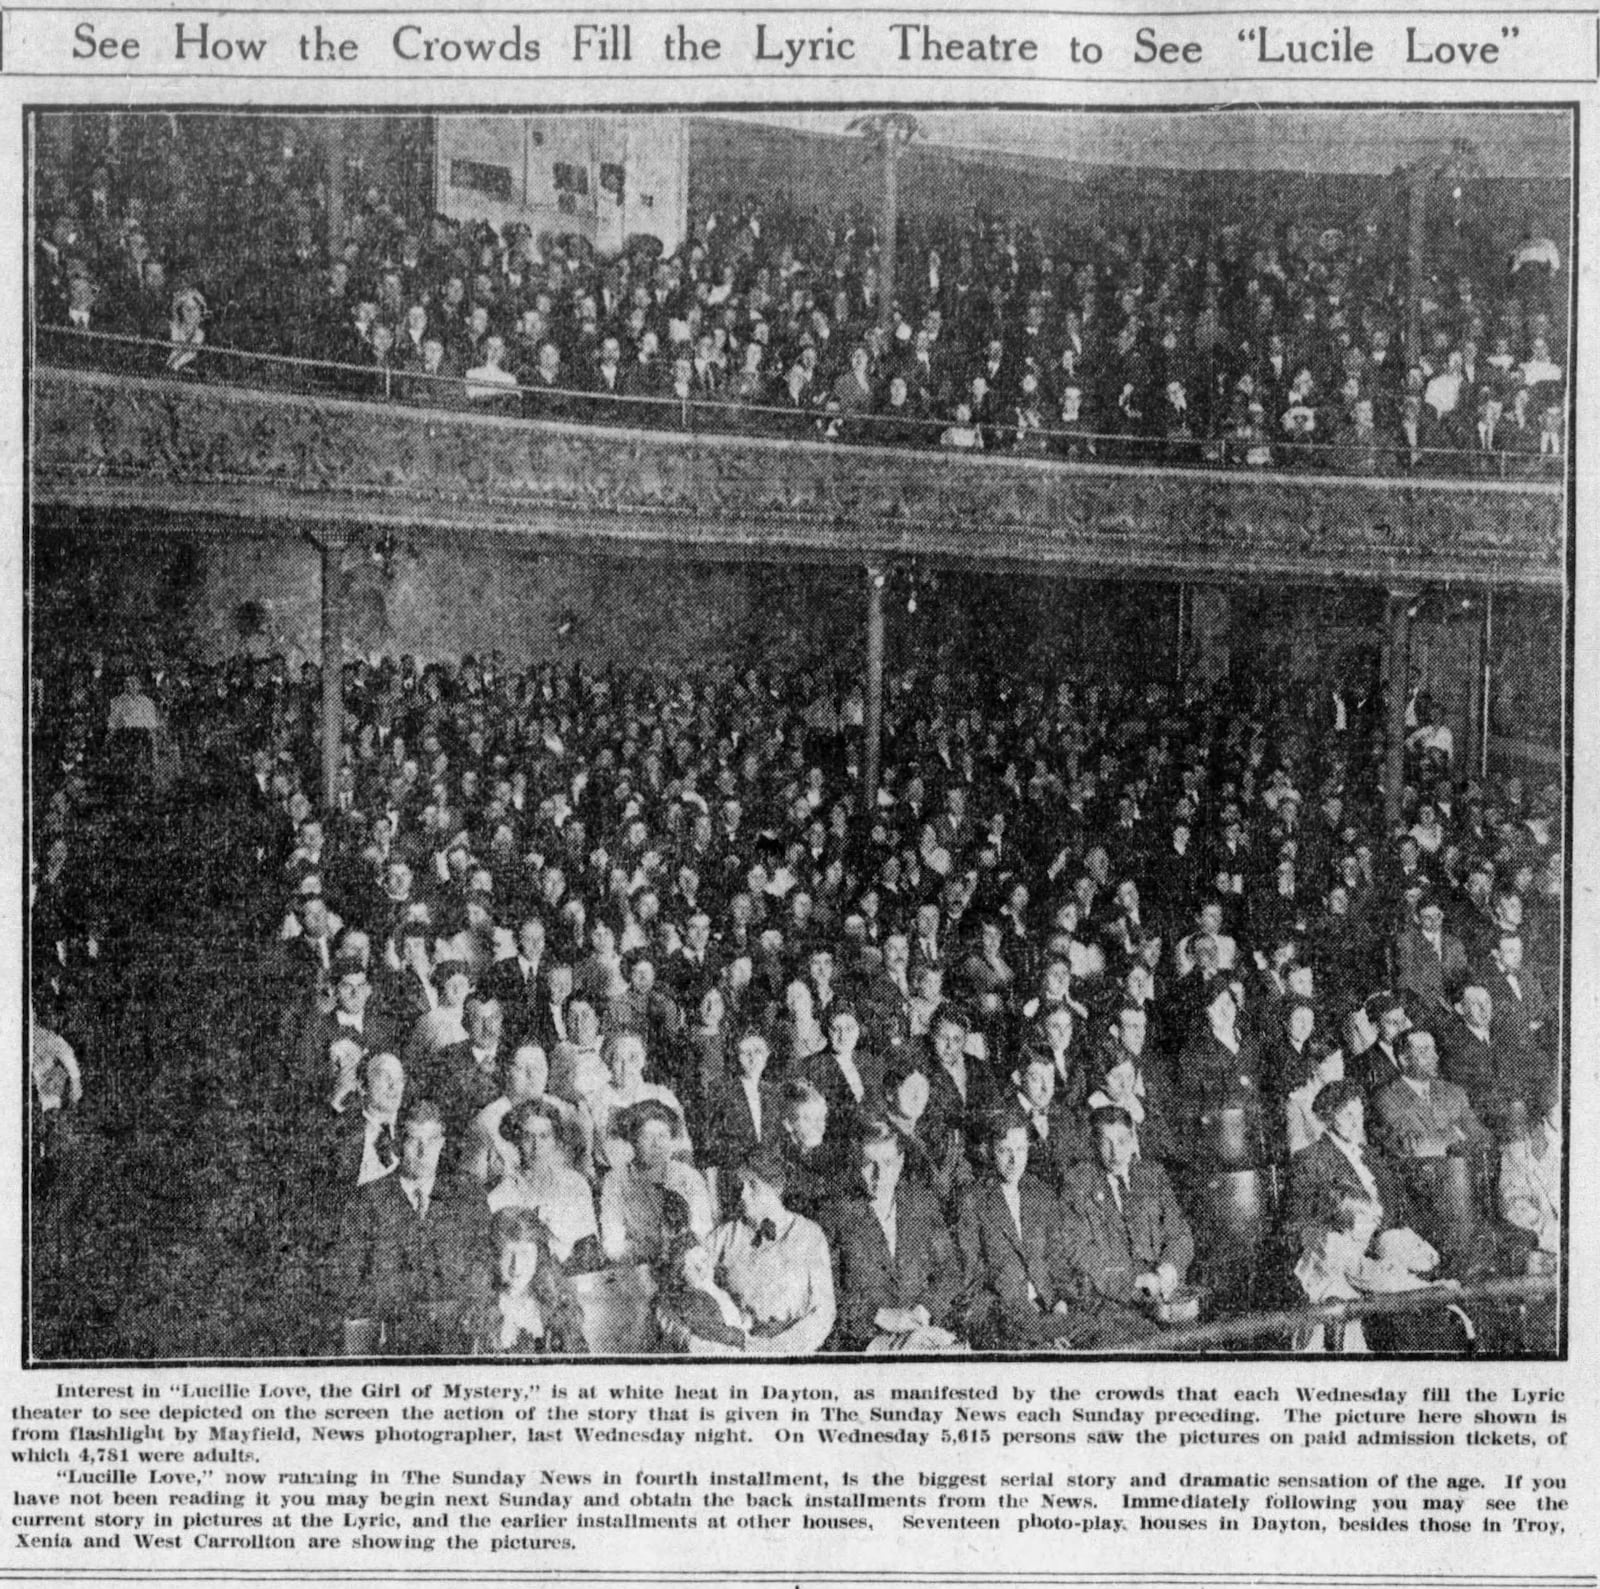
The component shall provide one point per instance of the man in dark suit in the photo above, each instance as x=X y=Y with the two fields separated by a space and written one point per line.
x=896 y=1271
x=960 y=1090
x=695 y=965
x=359 y=1142
x=521 y=983
x=850 y=1079
x=1056 y=1140
x=318 y=1072
x=742 y=1113
x=1428 y=961
x=1422 y=1117
x=342 y=1149
x=607 y=381
x=1470 y=1050
x=545 y=387
x=1123 y=1229
x=548 y=1026
x=310 y=952
x=1020 y=1290
x=1519 y=998
x=1379 y=1065
x=1422 y=1121
x=887 y=999
x=414 y=1250
x=465 y=1077
x=1496 y=1074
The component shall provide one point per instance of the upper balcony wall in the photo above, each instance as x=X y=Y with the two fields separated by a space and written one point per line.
x=261 y=462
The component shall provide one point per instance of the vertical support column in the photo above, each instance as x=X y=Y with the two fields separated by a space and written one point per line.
x=1486 y=684
x=889 y=224
x=332 y=550
x=1416 y=245
x=1181 y=640
x=872 y=748
x=1396 y=670
x=333 y=155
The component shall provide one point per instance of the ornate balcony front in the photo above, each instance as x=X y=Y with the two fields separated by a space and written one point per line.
x=229 y=460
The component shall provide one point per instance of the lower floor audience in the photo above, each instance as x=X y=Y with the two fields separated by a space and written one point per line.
x=600 y=1016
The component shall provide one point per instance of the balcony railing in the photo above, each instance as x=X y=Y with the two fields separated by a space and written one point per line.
x=233 y=455
x=813 y=417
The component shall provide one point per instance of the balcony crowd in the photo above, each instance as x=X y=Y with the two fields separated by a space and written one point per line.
x=1122 y=1000
x=1256 y=342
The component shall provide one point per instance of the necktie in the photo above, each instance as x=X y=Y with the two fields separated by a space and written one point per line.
x=383 y=1146
x=766 y=1231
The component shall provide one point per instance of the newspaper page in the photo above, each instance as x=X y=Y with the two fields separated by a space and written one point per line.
x=801 y=794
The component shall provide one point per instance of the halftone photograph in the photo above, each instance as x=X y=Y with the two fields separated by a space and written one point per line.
x=910 y=733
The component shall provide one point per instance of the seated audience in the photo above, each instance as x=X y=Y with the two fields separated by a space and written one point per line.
x=501 y=832
x=1166 y=342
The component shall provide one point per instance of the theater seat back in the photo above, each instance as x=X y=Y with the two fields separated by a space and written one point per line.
x=617 y=1314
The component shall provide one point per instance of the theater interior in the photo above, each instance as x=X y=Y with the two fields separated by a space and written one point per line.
x=925 y=596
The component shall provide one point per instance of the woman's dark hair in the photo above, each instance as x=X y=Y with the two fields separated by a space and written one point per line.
x=514 y=1122
x=1327 y=1104
x=551 y=1288
x=1302 y=1067
x=511 y=1225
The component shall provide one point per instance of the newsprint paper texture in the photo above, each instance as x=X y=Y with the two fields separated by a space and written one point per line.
x=800 y=794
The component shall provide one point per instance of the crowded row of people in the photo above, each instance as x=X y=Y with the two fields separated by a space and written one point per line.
x=1254 y=344
x=608 y=972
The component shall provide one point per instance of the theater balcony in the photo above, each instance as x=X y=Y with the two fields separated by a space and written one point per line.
x=220 y=458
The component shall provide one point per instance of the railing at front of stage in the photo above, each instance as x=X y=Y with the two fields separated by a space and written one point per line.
x=1288 y=1328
